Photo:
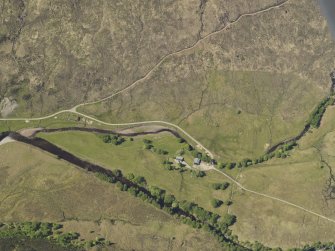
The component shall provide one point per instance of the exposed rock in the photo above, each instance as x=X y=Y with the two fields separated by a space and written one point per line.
x=7 y=106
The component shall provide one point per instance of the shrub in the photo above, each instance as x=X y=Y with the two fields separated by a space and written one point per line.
x=216 y=203
x=201 y=174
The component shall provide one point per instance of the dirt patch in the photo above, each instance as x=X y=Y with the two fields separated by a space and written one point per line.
x=143 y=128
x=7 y=106
x=29 y=132
x=6 y=140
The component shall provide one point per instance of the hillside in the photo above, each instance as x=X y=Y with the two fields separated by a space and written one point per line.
x=257 y=66
x=49 y=190
x=176 y=124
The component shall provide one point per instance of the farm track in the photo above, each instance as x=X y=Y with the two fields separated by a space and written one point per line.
x=145 y=77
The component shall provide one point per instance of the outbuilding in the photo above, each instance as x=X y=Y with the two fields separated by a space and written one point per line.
x=197 y=161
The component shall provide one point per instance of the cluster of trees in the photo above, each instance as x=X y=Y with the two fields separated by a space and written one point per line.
x=281 y=152
x=229 y=165
x=200 y=155
x=45 y=230
x=218 y=203
x=160 y=151
x=99 y=241
x=198 y=174
x=222 y=186
x=188 y=212
x=33 y=230
x=168 y=165
x=149 y=146
x=314 y=247
x=113 y=139
x=203 y=157
x=316 y=116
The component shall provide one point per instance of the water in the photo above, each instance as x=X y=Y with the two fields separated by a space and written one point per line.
x=328 y=9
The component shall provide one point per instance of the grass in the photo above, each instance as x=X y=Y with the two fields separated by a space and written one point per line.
x=131 y=157
x=302 y=179
x=230 y=112
x=298 y=179
x=46 y=189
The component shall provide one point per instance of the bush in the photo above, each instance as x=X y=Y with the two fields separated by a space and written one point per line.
x=105 y=178
x=181 y=140
x=231 y=165
x=228 y=219
x=216 y=186
x=201 y=174
x=316 y=116
x=222 y=186
x=216 y=203
x=147 y=142
x=140 y=180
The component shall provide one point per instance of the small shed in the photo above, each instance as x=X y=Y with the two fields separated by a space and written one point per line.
x=197 y=161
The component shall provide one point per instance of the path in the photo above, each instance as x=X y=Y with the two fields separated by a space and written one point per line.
x=273 y=197
x=178 y=128
x=214 y=169
x=146 y=76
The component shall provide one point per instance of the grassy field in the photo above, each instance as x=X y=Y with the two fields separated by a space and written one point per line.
x=303 y=179
x=242 y=89
x=131 y=157
x=298 y=179
x=46 y=189
x=231 y=113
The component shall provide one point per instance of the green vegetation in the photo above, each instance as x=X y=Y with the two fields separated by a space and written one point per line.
x=316 y=116
x=298 y=179
x=113 y=139
x=222 y=186
x=91 y=207
x=45 y=230
x=188 y=212
x=159 y=170
x=210 y=124
x=216 y=203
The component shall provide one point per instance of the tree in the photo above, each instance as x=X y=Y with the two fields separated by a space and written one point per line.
x=222 y=165
x=206 y=158
x=118 y=173
x=224 y=185
x=216 y=203
x=231 y=165
x=181 y=140
x=169 y=199
x=131 y=176
x=140 y=180
x=216 y=186
x=201 y=174
x=190 y=148
x=228 y=219
x=147 y=141
x=106 y=138
x=229 y=202
x=157 y=192
x=148 y=146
